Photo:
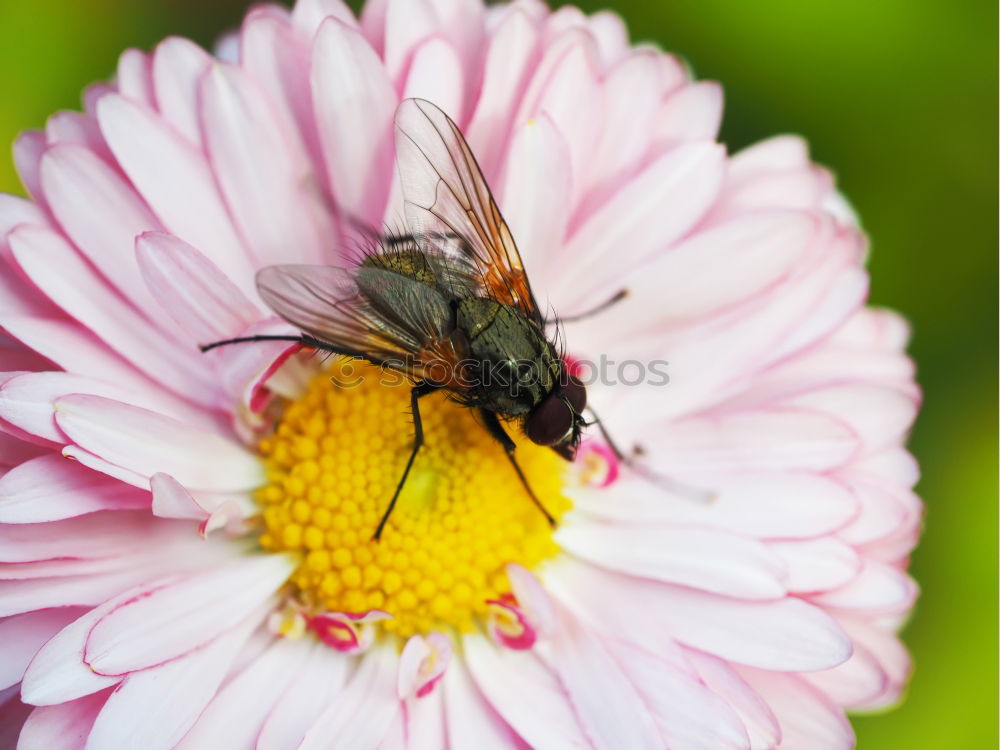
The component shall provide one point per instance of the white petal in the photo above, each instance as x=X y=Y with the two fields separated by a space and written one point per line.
x=22 y=636
x=471 y=720
x=536 y=196
x=708 y=560
x=62 y=274
x=192 y=290
x=606 y=703
x=784 y=635
x=173 y=176
x=317 y=684
x=178 y=66
x=817 y=564
x=182 y=614
x=61 y=727
x=364 y=713
x=234 y=718
x=102 y=214
x=262 y=176
x=525 y=694
x=354 y=103
x=147 y=443
x=809 y=720
x=689 y=715
x=179 y=690
x=52 y=487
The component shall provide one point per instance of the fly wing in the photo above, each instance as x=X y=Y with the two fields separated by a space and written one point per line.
x=371 y=313
x=450 y=209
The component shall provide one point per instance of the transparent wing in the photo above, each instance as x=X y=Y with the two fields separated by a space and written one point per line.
x=365 y=312
x=449 y=207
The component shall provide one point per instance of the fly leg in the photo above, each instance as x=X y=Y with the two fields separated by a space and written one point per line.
x=498 y=433
x=610 y=302
x=420 y=389
x=667 y=483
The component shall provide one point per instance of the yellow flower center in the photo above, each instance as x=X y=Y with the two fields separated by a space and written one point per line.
x=333 y=464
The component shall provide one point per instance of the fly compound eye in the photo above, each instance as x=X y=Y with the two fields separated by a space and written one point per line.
x=576 y=393
x=550 y=422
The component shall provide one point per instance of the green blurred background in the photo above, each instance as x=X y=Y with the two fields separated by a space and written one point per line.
x=900 y=98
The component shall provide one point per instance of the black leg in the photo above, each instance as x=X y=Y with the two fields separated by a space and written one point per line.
x=616 y=297
x=420 y=389
x=304 y=340
x=498 y=433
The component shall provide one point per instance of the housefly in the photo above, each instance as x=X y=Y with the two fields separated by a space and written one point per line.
x=448 y=304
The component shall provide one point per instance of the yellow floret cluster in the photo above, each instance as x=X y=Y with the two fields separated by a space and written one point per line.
x=333 y=464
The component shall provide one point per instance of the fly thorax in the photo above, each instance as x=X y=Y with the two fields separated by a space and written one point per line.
x=516 y=366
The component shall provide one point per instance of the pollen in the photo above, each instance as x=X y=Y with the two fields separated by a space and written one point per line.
x=333 y=464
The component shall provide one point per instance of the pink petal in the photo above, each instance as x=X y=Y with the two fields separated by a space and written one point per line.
x=689 y=715
x=784 y=635
x=317 y=684
x=425 y=724
x=235 y=715
x=92 y=536
x=809 y=720
x=61 y=727
x=707 y=560
x=178 y=66
x=260 y=172
x=686 y=179
x=605 y=701
x=173 y=176
x=57 y=673
x=758 y=250
x=536 y=194
x=509 y=57
x=15 y=210
x=180 y=690
x=28 y=150
x=565 y=86
x=177 y=616
x=407 y=23
x=77 y=129
x=817 y=564
x=147 y=443
x=525 y=694
x=354 y=103
x=776 y=439
x=101 y=214
x=364 y=713
x=192 y=290
x=880 y=416
x=76 y=350
x=27 y=401
x=23 y=635
x=758 y=719
x=308 y=15
x=882 y=588
x=66 y=279
x=51 y=487
x=631 y=100
x=854 y=683
x=135 y=77
x=471 y=720
x=692 y=113
x=435 y=74
x=279 y=61
x=13 y=714
x=759 y=506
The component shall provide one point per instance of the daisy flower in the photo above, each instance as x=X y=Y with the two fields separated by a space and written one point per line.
x=186 y=551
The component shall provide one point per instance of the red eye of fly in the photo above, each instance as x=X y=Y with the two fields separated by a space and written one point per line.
x=576 y=392
x=550 y=421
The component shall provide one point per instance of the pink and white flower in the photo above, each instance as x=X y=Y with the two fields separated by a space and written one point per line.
x=138 y=609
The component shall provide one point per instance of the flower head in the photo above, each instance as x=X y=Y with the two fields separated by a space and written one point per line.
x=186 y=537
